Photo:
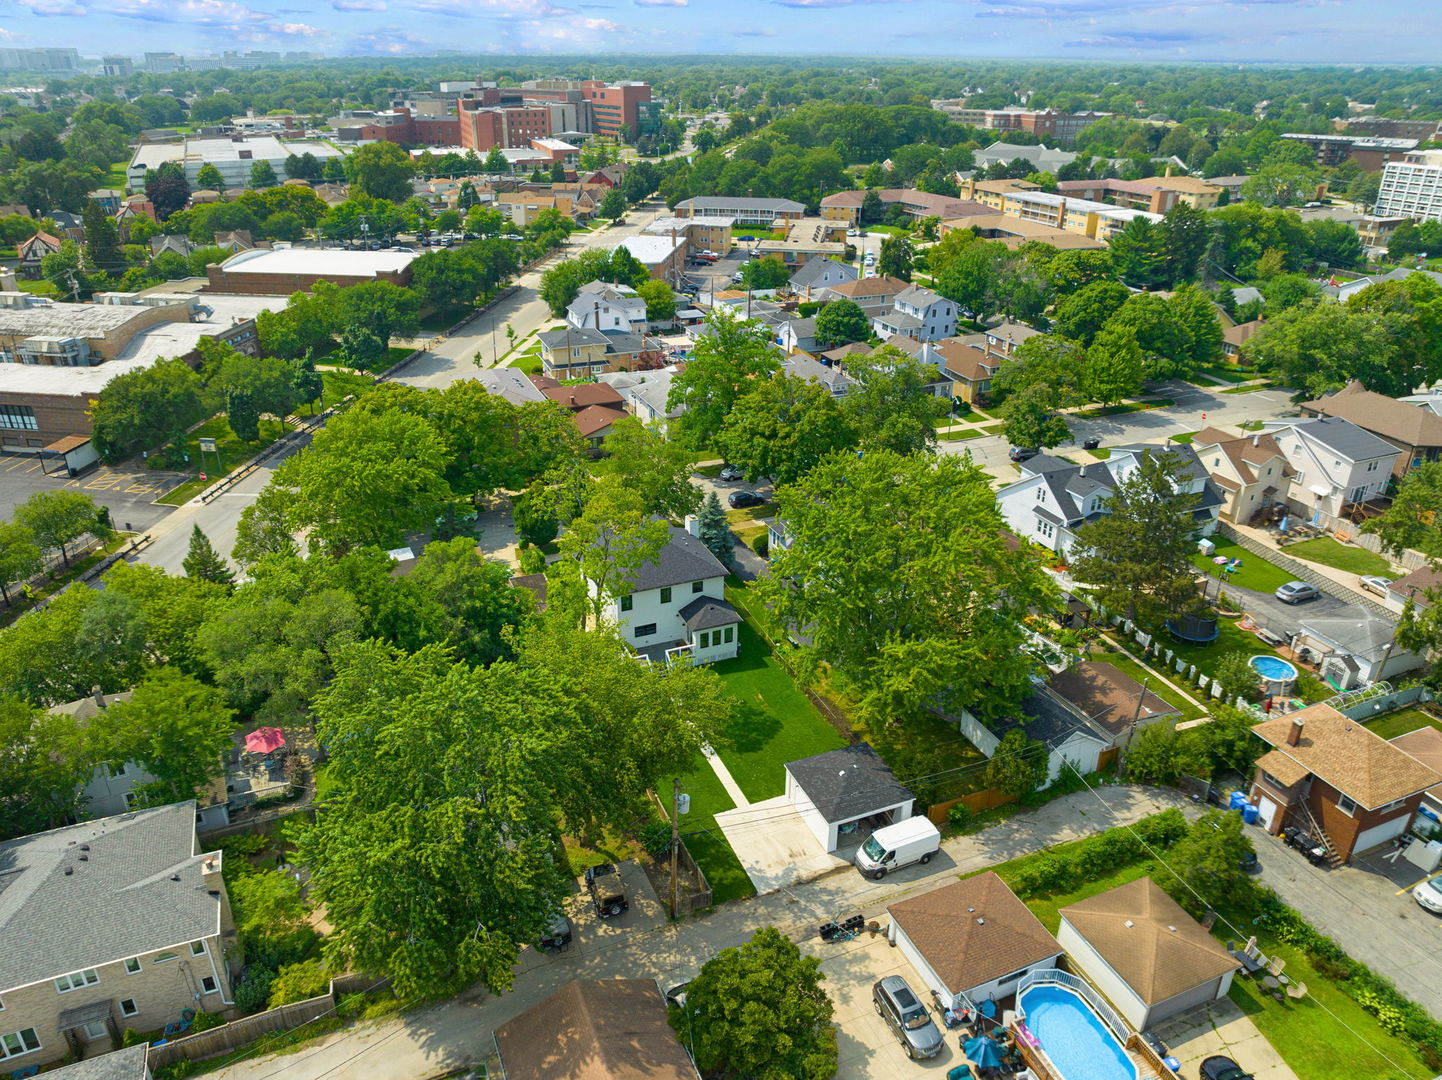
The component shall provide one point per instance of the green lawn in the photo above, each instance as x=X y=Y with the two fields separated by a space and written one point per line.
x=1340 y=556
x=529 y=362
x=184 y=492
x=922 y=744
x=1255 y=573
x=1232 y=638
x=960 y=434
x=888 y=230
x=1402 y=721
x=40 y=287
x=1101 y=453
x=339 y=385
x=775 y=722
x=706 y=843
x=992 y=429
x=1247 y=389
x=1227 y=374
x=233 y=453
x=1125 y=407
x=1184 y=438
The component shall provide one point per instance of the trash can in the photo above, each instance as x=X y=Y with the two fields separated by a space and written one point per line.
x=1250 y=814
x=1236 y=800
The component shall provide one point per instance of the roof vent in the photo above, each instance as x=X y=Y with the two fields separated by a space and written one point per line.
x=84 y=858
x=69 y=870
x=84 y=847
x=980 y=922
x=1129 y=924
x=174 y=877
x=971 y=911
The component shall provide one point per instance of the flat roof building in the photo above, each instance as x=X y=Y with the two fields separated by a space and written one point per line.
x=282 y=271
x=233 y=155
x=742 y=211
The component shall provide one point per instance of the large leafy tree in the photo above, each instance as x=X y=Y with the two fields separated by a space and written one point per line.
x=57 y=518
x=840 y=323
x=891 y=406
x=1081 y=315
x=475 y=606
x=1019 y=765
x=81 y=640
x=783 y=427
x=759 y=1010
x=1200 y=329
x=42 y=766
x=381 y=170
x=972 y=279
x=1031 y=417
x=896 y=258
x=724 y=361
x=1417 y=301
x=146 y=408
x=898 y=572
x=1114 y=367
x=610 y=542
x=1139 y=551
x=20 y=556
x=1413 y=523
x=1324 y=347
x=641 y=459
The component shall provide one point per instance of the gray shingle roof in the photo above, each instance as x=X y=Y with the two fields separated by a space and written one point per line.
x=706 y=612
x=726 y=202
x=138 y=889
x=848 y=783
x=919 y=297
x=126 y=1064
x=1046 y=718
x=1345 y=438
x=816 y=270
x=683 y=559
x=573 y=338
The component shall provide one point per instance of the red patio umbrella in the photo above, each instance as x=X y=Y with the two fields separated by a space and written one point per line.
x=264 y=740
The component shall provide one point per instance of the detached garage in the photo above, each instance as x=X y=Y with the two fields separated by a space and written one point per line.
x=974 y=938
x=846 y=792
x=1148 y=956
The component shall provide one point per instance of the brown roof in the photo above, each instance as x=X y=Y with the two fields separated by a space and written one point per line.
x=1414 y=586
x=1244 y=451
x=844 y=198
x=67 y=443
x=1381 y=415
x=1278 y=764
x=1237 y=335
x=582 y=395
x=1180 y=183
x=974 y=931
x=849 y=349
x=1361 y=765
x=875 y=286
x=1108 y=696
x=594 y=418
x=1145 y=937
x=595 y=1029
x=1424 y=744
x=964 y=361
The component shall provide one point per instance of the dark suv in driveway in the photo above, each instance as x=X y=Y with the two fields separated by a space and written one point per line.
x=608 y=892
x=907 y=1018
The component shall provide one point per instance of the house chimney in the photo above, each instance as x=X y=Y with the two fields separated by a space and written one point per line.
x=1257 y=438
x=99 y=698
x=693 y=525
x=1294 y=733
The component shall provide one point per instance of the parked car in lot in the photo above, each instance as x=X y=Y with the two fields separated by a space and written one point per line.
x=1296 y=592
x=907 y=1018
x=1022 y=453
x=1374 y=584
x=608 y=892
x=739 y=500
x=1223 y=1068
x=1429 y=895
x=731 y=472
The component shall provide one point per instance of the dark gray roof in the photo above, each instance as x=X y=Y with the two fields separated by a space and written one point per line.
x=1345 y=439
x=1188 y=463
x=1046 y=718
x=899 y=320
x=706 y=612
x=683 y=559
x=816 y=270
x=566 y=339
x=848 y=783
x=623 y=341
x=127 y=1064
x=919 y=296
x=138 y=889
x=726 y=202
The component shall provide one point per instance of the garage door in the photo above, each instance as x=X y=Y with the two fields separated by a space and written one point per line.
x=923 y=969
x=1380 y=834
x=1267 y=810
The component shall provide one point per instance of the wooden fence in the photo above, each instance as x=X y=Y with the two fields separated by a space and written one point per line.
x=976 y=802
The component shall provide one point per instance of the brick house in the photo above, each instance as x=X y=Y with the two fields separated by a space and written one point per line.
x=124 y=922
x=1329 y=775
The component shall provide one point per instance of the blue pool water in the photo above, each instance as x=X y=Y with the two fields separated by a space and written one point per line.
x=1078 y=1043
x=1273 y=668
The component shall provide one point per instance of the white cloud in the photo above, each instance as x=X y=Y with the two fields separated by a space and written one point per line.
x=662 y=3
x=54 y=7
x=295 y=29
x=490 y=9
x=358 y=5
x=198 y=12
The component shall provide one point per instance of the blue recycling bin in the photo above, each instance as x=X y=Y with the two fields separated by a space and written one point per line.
x=1250 y=814
x=1237 y=800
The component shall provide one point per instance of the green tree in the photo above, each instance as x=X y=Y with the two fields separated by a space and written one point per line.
x=1081 y=315
x=1184 y=242
x=20 y=556
x=146 y=408
x=759 y=1010
x=476 y=606
x=1139 y=551
x=660 y=301
x=1412 y=521
x=895 y=258
x=1030 y=417
x=1160 y=754
x=1414 y=305
x=1200 y=329
x=1281 y=184
x=972 y=278
x=390 y=311
x=767 y=273
x=1114 y=367
x=1019 y=765
x=42 y=768
x=63 y=270
x=613 y=204
x=1325 y=346
x=381 y=170
x=782 y=428
x=610 y=542
x=891 y=406
x=1140 y=253
x=905 y=614
x=262 y=175
x=306 y=380
x=1206 y=865
x=496 y=163
x=1237 y=678
x=715 y=531
x=167 y=188
x=57 y=518
x=102 y=241
x=534 y=513
x=724 y=360
x=176 y=728
x=203 y=562
x=639 y=459
x=242 y=413
x=446 y=278
x=840 y=323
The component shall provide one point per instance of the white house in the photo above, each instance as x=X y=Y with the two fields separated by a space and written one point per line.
x=677 y=607
x=603 y=306
x=1149 y=957
x=972 y=938
x=646 y=394
x=1337 y=463
x=919 y=313
x=1055 y=497
x=818 y=274
x=846 y=793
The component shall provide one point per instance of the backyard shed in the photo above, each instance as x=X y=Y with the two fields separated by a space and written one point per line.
x=838 y=792
x=973 y=937
x=1148 y=956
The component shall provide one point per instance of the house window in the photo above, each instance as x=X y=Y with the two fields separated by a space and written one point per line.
x=117 y=771
x=704 y=641
x=1269 y=778
x=76 y=980
x=128 y=1007
x=627 y=602
x=666 y=595
x=208 y=985
x=697 y=586
x=1395 y=804
x=132 y=966
x=646 y=629
x=727 y=633
x=162 y=957
x=1359 y=494
x=1346 y=805
x=197 y=948
x=19 y=1042
x=1371 y=466
x=1044 y=528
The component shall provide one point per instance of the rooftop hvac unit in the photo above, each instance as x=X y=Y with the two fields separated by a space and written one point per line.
x=17 y=299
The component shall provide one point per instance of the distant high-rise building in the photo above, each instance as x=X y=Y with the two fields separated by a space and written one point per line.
x=116 y=66
x=1412 y=188
x=163 y=63
x=39 y=60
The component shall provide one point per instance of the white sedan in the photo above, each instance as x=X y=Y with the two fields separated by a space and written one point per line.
x=1429 y=895
x=1373 y=584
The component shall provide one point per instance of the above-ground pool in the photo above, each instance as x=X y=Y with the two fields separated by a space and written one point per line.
x=1073 y=1037
x=1278 y=674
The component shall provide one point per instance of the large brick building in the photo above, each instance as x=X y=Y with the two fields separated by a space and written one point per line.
x=282 y=271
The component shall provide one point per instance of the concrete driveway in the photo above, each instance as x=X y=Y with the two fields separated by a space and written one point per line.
x=1222 y=1028
x=1278 y=616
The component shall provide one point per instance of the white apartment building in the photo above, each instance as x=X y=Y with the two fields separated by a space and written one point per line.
x=1412 y=188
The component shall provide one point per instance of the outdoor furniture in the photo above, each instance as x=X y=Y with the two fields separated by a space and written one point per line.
x=1297 y=991
x=959 y=1072
x=1275 y=965
x=1250 y=965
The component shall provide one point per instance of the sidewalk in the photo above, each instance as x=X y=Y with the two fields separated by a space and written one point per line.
x=458 y=1033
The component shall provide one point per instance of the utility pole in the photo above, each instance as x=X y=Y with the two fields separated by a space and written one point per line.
x=1136 y=719
x=675 y=841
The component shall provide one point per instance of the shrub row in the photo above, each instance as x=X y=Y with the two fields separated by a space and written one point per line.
x=1057 y=872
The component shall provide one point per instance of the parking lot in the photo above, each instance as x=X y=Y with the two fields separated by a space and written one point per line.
x=129 y=495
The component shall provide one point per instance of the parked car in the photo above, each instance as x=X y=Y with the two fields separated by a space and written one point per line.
x=1373 y=584
x=1429 y=895
x=1022 y=453
x=1297 y=592
x=915 y=840
x=739 y=500
x=557 y=935
x=907 y=1018
x=731 y=472
x=608 y=891
x=1223 y=1068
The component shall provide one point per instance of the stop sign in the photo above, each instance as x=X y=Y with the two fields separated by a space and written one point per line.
x=203 y=476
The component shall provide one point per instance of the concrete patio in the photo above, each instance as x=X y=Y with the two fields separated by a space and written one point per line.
x=1222 y=1028
x=774 y=845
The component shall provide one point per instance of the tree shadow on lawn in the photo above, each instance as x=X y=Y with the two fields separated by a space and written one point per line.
x=752 y=727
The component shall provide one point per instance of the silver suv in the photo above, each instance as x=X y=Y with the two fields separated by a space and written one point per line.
x=907 y=1017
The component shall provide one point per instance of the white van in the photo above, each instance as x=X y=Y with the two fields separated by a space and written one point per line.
x=915 y=840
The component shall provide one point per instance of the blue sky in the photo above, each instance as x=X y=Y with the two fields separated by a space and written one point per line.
x=1405 y=31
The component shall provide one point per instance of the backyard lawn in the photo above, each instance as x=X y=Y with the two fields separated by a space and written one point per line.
x=706 y=843
x=1340 y=556
x=1402 y=721
x=1136 y=671
x=1255 y=573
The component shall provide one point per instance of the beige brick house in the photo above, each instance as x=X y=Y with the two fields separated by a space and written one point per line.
x=117 y=923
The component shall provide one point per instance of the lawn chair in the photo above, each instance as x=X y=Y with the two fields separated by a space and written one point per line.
x=1275 y=965
x=959 y=1072
x=1297 y=990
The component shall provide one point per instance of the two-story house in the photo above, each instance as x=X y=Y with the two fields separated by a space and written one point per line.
x=818 y=274
x=599 y=305
x=1250 y=471
x=1338 y=465
x=579 y=353
x=969 y=368
x=645 y=394
x=919 y=313
x=676 y=608
x=1055 y=497
x=594 y=407
x=1330 y=776
x=873 y=295
x=116 y=923
x=1416 y=433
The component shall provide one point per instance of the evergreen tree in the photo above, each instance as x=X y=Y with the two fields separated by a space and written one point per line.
x=715 y=533
x=558 y=173
x=203 y=562
x=242 y=413
x=309 y=385
x=102 y=241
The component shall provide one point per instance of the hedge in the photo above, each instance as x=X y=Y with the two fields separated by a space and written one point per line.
x=1059 y=872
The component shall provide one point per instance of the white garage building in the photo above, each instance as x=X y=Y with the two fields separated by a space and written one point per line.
x=1148 y=956
x=847 y=792
x=973 y=938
